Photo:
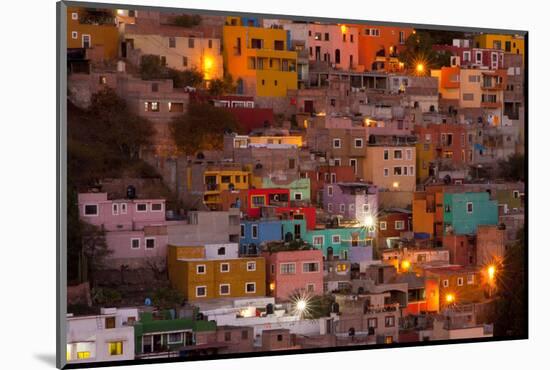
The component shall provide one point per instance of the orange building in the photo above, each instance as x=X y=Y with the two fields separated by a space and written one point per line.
x=457 y=284
x=215 y=271
x=94 y=30
x=380 y=41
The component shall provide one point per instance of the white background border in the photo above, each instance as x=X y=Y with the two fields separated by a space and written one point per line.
x=27 y=180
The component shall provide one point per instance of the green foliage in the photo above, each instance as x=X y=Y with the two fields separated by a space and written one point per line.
x=166 y=298
x=202 y=128
x=513 y=168
x=151 y=67
x=186 y=20
x=94 y=249
x=222 y=86
x=419 y=48
x=511 y=307
x=106 y=297
x=293 y=245
x=189 y=77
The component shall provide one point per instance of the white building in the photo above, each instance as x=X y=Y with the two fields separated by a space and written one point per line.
x=108 y=336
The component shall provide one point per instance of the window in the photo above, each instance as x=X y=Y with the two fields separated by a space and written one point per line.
x=399 y=225
x=398 y=154
x=411 y=170
x=366 y=208
x=74 y=16
x=83 y=355
x=310 y=288
x=318 y=240
x=224 y=267
x=332 y=178
x=74 y=35
x=175 y=107
x=201 y=269
x=470 y=207
x=386 y=172
x=250 y=287
x=397 y=171
x=470 y=279
x=478 y=56
x=149 y=243
x=342 y=208
x=460 y=281
x=156 y=207
x=227 y=336
x=388 y=339
x=251 y=266
x=184 y=61
x=386 y=154
x=353 y=163
x=254 y=231
x=288 y=268
x=383 y=225
x=134 y=243
x=115 y=348
x=336 y=143
x=317 y=36
x=257 y=201
x=337 y=161
x=466 y=56
x=330 y=191
x=351 y=207
x=310 y=267
x=242 y=231
x=401 y=37
x=200 y=291
x=123 y=208
x=473 y=78
x=408 y=154
x=221 y=251
x=468 y=96
x=256 y=43
x=191 y=43
x=405 y=171
x=372 y=322
x=171 y=42
x=174 y=338
x=110 y=323
x=279 y=45
x=389 y=321
x=224 y=289
x=297 y=196
x=515 y=194
x=152 y=106
x=329 y=207
x=90 y=210
x=336 y=239
x=445 y=283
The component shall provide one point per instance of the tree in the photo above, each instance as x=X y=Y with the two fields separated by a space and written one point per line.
x=512 y=168
x=202 y=128
x=223 y=86
x=419 y=50
x=511 y=306
x=151 y=67
x=190 y=77
x=94 y=250
x=167 y=298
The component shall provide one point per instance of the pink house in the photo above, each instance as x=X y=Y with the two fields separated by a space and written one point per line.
x=333 y=44
x=291 y=271
x=135 y=229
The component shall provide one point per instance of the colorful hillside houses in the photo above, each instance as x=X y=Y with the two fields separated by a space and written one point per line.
x=300 y=189
x=352 y=201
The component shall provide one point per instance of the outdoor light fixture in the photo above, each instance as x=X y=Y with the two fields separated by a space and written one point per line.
x=301 y=305
x=405 y=265
x=395 y=184
x=491 y=272
x=369 y=221
x=420 y=68
x=449 y=298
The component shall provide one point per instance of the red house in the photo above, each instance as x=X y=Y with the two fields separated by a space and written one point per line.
x=391 y=223
x=258 y=198
x=328 y=175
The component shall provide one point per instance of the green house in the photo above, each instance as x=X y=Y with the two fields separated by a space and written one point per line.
x=464 y=212
x=300 y=189
x=167 y=335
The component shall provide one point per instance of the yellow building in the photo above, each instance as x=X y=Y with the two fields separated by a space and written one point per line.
x=284 y=140
x=391 y=167
x=218 y=180
x=509 y=43
x=93 y=30
x=198 y=276
x=260 y=58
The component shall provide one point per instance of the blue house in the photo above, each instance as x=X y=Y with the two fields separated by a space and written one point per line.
x=254 y=233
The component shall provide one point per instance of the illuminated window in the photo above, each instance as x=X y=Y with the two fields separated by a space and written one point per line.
x=83 y=355
x=115 y=348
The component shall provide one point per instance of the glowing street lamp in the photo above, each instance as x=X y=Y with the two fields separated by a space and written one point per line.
x=301 y=305
x=369 y=221
x=449 y=298
x=343 y=28
x=405 y=265
x=420 y=68
x=395 y=184
x=491 y=270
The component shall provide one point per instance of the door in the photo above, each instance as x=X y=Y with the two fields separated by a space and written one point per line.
x=86 y=41
x=157 y=342
x=297 y=231
x=317 y=53
x=308 y=106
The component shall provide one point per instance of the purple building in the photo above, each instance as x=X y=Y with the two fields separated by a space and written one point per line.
x=352 y=200
x=135 y=229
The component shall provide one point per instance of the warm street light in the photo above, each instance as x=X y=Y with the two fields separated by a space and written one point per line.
x=450 y=298
x=369 y=221
x=395 y=185
x=491 y=272
x=301 y=305
x=405 y=265
x=420 y=68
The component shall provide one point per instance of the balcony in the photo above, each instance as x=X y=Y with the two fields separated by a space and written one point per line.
x=392 y=307
x=212 y=187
